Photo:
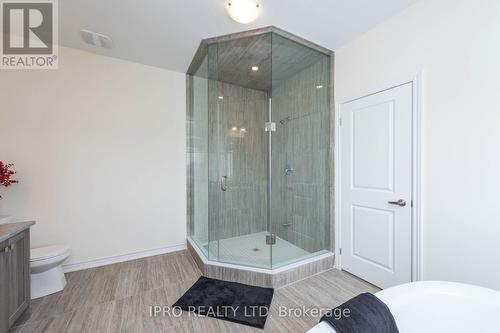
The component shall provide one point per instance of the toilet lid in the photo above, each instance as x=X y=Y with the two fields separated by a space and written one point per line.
x=48 y=252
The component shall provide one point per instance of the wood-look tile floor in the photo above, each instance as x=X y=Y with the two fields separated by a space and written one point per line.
x=117 y=298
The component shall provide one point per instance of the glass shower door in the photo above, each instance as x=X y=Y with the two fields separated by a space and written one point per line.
x=238 y=168
x=239 y=200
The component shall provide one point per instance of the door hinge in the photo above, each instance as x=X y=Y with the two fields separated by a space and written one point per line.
x=270 y=127
x=340 y=251
x=270 y=239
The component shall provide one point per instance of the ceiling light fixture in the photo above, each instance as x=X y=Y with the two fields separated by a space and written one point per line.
x=243 y=11
x=255 y=68
x=319 y=86
x=221 y=98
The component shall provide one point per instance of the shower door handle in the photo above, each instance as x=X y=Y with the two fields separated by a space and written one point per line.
x=223 y=183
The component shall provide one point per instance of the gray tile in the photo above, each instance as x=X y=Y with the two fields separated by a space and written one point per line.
x=97 y=300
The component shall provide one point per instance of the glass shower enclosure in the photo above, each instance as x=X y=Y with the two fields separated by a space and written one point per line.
x=259 y=154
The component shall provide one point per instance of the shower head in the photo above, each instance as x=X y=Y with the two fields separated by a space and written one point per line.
x=285 y=120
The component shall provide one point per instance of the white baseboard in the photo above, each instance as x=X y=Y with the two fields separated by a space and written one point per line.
x=78 y=266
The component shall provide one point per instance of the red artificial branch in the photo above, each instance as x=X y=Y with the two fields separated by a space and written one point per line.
x=5 y=175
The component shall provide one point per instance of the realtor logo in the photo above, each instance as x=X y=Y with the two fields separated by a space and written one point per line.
x=29 y=38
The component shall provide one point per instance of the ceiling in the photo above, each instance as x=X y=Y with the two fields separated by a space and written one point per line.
x=166 y=33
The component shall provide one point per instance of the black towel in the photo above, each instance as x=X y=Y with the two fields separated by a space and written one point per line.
x=366 y=314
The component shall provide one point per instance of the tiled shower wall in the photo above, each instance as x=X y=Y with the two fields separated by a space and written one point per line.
x=301 y=201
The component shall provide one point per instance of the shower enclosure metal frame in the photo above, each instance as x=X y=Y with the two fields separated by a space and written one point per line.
x=198 y=58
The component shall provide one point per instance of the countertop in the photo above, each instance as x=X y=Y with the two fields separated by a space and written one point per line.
x=11 y=229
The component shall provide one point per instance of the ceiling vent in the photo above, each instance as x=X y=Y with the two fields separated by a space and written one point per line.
x=93 y=38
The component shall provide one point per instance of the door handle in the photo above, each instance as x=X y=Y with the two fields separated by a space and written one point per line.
x=400 y=203
x=223 y=183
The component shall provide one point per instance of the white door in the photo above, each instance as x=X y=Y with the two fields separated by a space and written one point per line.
x=375 y=181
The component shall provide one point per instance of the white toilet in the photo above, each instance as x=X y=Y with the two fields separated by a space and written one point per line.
x=47 y=276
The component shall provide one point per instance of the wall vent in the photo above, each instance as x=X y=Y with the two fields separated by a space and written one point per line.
x=96 y=39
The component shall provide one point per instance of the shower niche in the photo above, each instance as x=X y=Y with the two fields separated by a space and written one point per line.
x=259 y=157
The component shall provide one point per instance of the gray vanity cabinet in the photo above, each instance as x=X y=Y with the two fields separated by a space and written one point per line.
x=14 y=278
x=4 y=296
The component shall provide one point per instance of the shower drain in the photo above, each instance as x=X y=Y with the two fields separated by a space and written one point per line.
x=255 y=249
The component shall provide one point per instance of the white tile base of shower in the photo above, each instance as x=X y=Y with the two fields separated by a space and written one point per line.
x=252 y=250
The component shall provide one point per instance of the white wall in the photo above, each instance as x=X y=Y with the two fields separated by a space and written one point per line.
x=99 y=148
x=456 y=44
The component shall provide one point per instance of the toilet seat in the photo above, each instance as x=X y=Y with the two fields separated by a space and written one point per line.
x=47 y=252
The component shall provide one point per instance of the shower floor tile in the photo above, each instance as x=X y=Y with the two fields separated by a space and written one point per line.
x=252 y=250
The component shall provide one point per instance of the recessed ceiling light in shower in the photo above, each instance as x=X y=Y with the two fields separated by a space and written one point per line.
x=255 y=68
x=243 y=11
